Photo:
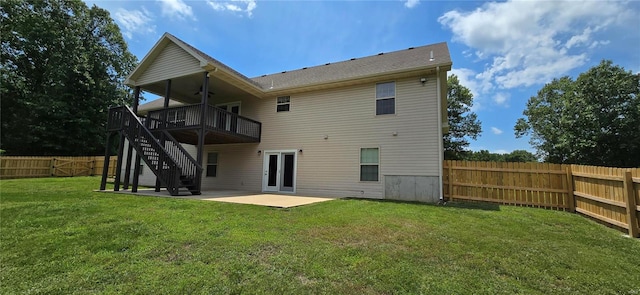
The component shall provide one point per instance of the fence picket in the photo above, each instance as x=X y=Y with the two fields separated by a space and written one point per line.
x=595 y=192
x=32 y=166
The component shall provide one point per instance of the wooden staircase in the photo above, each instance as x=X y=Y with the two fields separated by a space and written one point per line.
x=166 y=158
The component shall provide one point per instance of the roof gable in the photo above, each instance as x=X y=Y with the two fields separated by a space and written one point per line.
x=161 y=52
x=171 y=57
x=171 y=61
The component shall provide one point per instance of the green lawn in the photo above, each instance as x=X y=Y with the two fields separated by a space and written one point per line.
x=59 y=237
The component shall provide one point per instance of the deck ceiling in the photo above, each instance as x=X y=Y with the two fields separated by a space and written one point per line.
x=185 y=89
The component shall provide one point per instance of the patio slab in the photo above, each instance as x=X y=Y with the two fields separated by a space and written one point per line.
x=238 y=197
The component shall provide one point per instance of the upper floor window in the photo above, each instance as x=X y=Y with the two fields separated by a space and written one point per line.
x=283 y=104
x=386 y=98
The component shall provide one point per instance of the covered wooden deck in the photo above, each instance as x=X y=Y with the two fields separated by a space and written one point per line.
x=221 y=126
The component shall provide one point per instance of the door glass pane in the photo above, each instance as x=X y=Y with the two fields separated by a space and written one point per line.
x=235 y=109
x=287 y=177
x=273 y=170
x=369 y=156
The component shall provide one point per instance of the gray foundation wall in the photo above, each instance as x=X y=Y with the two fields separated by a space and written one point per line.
x=412 y=188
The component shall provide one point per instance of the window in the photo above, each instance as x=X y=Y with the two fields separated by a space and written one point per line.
x=386 y=98
x=369 y=167
x=212 y=164
x=283 y=104
x=176 y=117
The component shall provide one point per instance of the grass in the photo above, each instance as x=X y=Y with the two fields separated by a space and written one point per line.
x=59 y=237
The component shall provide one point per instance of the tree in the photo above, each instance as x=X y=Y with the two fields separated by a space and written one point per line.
x=463 y=123
x=520 y=156
x=485 y=155
x=594 y=120
x=62 y=65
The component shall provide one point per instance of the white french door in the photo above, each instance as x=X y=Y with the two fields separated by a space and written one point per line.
x=279 y=173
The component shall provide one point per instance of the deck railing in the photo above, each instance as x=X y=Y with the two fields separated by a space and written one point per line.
x=225 y=121
x=189 y=117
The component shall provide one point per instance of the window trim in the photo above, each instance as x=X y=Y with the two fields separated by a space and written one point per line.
x=394 y=97
x=207 y=164
x=283 y=103
x=360 y=164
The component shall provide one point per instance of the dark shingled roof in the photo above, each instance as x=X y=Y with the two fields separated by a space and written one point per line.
x=397 y=61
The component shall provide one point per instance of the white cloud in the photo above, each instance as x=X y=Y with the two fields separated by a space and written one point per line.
x=496 y=131
x=531 y=42
x=246 y=6
x=501 y=152
x=583 y=38
x=501 y=98
x=411 y=3
x=177 y=9
x=131 y=21
x=467 y=79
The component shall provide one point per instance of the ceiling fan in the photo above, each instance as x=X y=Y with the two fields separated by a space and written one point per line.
x=199 y=92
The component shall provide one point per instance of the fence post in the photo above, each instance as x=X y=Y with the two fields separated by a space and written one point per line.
x=571 y=199
x=450 y=171
x=92 y=166
x=629 y=195
x=53 y=166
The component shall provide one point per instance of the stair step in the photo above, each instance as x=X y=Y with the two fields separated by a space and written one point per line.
x=149 y=146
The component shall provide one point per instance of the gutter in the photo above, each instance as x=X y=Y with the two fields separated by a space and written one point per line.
x=440 y=143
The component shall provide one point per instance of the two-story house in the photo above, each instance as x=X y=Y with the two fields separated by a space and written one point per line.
x=366 y=127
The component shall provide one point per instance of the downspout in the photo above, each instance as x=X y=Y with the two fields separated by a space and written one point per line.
x=440 y=144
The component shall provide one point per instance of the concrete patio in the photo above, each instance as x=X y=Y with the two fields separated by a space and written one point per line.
x=238 y=197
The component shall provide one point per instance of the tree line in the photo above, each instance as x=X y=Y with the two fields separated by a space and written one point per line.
x=62 y=65
x=592 y=120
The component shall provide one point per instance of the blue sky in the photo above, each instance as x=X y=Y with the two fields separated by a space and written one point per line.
x=503 y=51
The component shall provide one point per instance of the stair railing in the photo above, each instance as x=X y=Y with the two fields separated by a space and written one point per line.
x=166 y=167
x=189 y=167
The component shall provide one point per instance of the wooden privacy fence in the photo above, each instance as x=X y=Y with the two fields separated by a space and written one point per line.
x=611 y=195
x=30 y=167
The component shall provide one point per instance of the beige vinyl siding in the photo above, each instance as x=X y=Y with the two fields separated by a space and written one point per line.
x=171 y=62
x=347 y=116
x=239 y=168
